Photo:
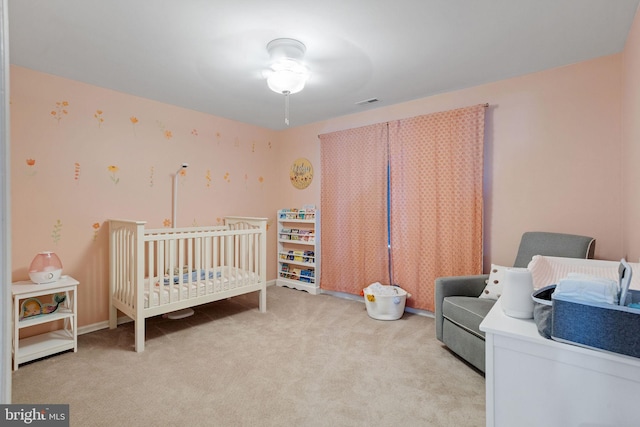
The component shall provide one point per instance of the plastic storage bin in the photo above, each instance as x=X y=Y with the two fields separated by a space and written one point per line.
x=385 y=302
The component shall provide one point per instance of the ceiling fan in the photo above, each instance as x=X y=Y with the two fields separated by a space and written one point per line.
x=324 y=68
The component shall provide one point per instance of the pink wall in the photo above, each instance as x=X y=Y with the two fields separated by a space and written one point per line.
x=113 y=155
x=631 y=141
x=552 y=157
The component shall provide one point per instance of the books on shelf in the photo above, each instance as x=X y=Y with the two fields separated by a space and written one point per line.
x=300 y=235
x=304 y=213
x=299 y=256
x=308 y=256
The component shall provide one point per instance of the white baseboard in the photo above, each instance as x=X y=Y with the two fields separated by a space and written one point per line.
x=101 y=325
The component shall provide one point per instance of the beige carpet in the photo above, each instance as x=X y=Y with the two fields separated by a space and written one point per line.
x=311 y=360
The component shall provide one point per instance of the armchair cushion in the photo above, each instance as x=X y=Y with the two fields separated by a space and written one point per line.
x=467 y=312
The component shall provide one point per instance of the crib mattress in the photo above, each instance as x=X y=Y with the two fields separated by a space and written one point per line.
x=222 y=279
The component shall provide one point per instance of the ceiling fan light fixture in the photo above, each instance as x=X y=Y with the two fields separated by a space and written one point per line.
x=287 y=74
x=286 y=80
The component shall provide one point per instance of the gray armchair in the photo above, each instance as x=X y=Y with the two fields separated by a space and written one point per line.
x=459 y=311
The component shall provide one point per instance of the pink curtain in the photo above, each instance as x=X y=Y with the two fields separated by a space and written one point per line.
x=353 y=209
x=436 y=199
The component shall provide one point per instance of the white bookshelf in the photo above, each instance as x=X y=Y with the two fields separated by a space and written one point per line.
x=299 y=249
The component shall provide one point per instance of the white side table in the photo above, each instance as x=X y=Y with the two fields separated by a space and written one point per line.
x=35 y=347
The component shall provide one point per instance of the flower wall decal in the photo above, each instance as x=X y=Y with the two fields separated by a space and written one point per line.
x=98 y=117
x=114 y=170
x=96 y=229
x=56 y=234
x=134 y=121
x=31 y=163
x=60 y=110
x=167 y=133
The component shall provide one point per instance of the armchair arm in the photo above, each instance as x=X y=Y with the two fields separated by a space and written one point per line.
x=471 y=286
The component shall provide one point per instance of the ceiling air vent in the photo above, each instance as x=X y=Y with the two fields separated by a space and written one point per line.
x=367 y=101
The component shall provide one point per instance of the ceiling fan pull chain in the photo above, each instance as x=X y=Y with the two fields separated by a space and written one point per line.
x=286 y=107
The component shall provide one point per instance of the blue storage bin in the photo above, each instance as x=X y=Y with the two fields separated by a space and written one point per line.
x=606 y=327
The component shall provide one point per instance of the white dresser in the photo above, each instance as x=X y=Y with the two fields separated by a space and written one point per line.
x=533 y=381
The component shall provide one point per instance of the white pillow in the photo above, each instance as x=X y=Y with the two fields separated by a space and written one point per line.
x=493 y=290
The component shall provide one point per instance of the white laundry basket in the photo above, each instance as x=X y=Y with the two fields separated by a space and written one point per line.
x=385 y=302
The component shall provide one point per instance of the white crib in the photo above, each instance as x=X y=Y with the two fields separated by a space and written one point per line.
x=158 y=271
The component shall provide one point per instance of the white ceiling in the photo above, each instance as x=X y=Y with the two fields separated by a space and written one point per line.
x=208 y=55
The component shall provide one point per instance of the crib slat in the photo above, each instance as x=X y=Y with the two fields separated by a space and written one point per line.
x=198 y=262
x=190 y=267
x=215 y=242
x=175 y=262
x=161 y=261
